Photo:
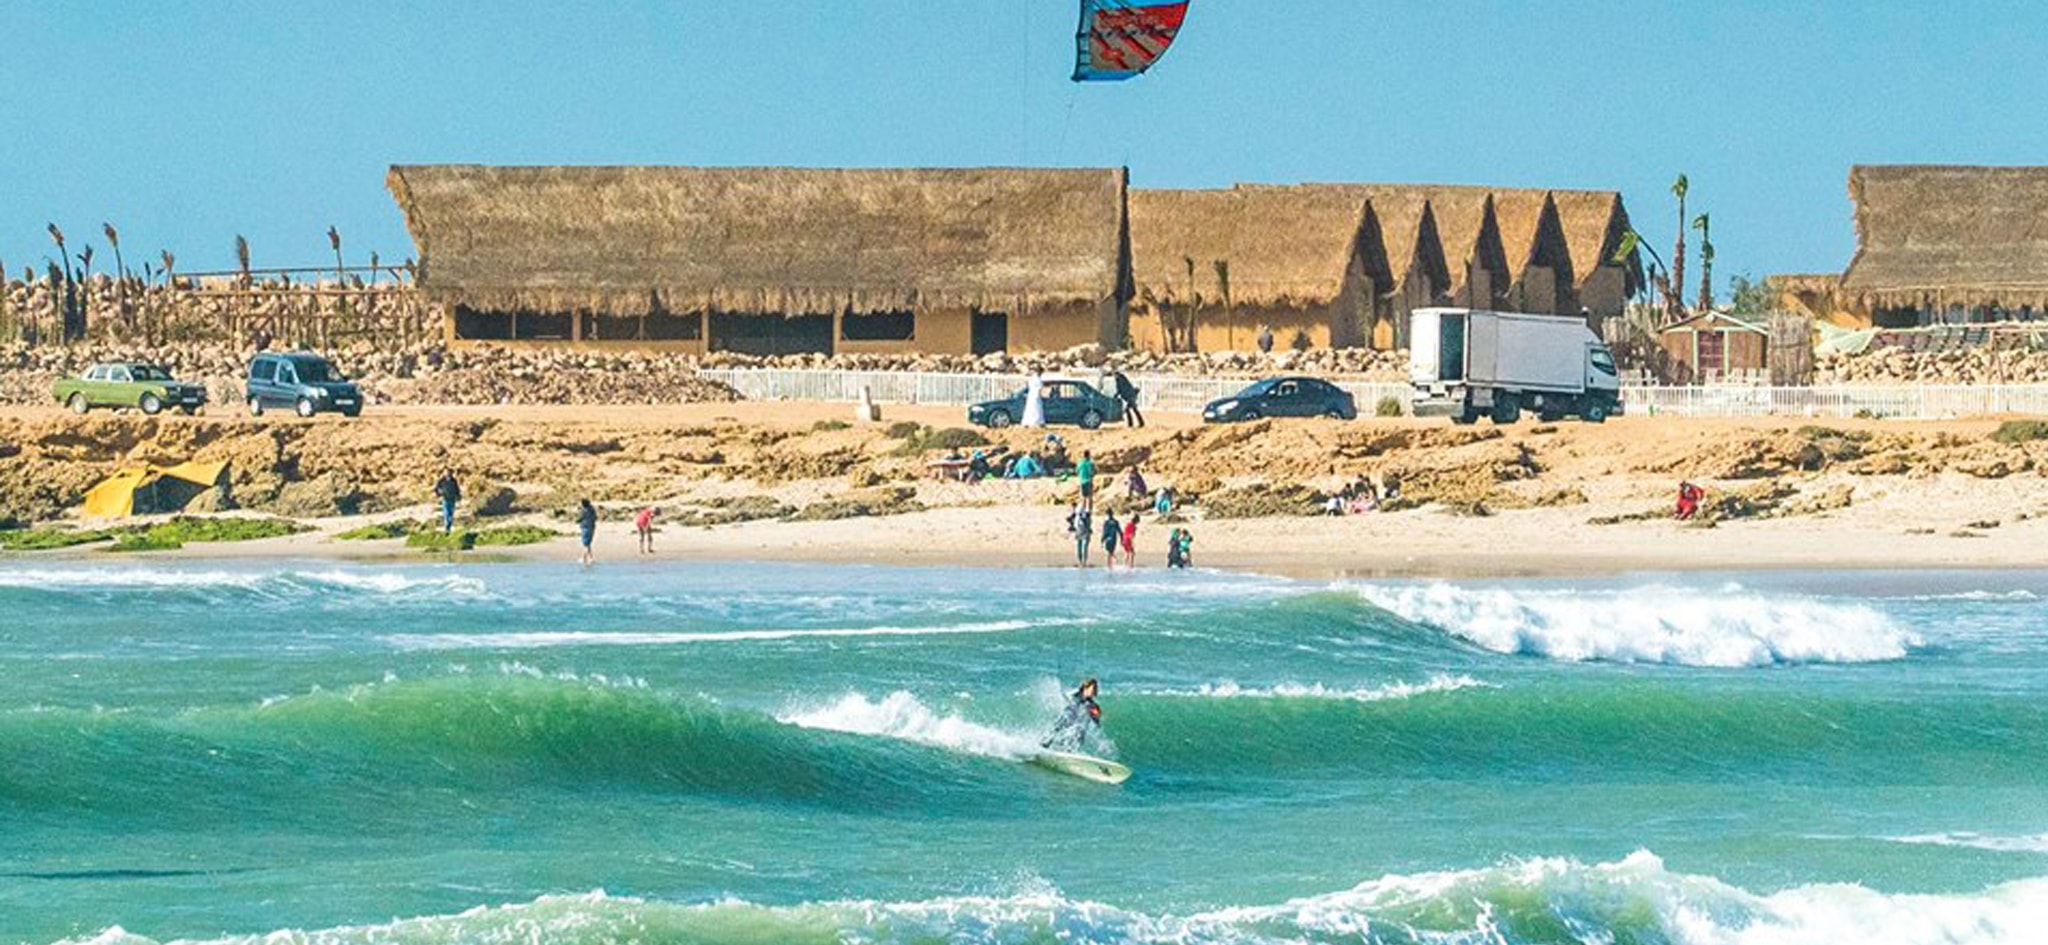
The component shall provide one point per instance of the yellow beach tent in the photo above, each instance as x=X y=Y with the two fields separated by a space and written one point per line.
x=149 y=489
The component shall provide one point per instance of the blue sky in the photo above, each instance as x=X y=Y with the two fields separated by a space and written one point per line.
x=187 y=123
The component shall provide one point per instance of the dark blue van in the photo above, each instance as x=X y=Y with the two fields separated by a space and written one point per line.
x=302 y=381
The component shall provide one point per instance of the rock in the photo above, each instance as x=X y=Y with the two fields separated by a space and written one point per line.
x=493 y=500
x=320 y=497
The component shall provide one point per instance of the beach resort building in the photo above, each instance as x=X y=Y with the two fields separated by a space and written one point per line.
x=1345 y=264
x=1936 y=246
x=772 y=260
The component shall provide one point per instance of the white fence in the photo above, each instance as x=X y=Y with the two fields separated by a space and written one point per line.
x=1175 y=392
x=1155 y=391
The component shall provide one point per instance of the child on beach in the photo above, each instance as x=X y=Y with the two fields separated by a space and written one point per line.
x=1173 y=549
x=1131 y=541
x=1112 y=534
x=643 y=525
x=586 y=525
x=1185 y=547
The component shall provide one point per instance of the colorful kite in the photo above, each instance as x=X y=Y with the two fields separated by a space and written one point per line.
x=1122 y=38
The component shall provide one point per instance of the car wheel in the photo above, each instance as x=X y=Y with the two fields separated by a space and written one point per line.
x=1335 y=413
x=255 y=406
x=1505 y=409
x=352 y=411
x=77 y=404
x=1092 y=420
x=188 y=410
x=1594 y=412
x=1250 y=415
x=999 y=418
x=304 y=406
x=150 y=404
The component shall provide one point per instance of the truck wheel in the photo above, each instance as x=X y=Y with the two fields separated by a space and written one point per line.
x=999 y=418
x=1595 y=412
x=149 y=403
x=304 y=406
x=1505 y=409
x=1092 y=420
x=255 y=406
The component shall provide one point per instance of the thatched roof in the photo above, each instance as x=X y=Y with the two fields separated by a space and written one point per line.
x=1284 y=246
x=1466 y=229
x=1173 y=229
x=1595 y=223
x=624 y=240
x=1939 y=236
x=1294 y=243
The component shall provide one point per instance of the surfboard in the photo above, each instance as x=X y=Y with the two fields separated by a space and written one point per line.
x=1089 y=767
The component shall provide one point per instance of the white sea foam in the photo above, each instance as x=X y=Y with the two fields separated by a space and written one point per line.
x=1633 y=899
x=1977 y=841
x=2014 y=596
x=546 y=638
x=900 y=715
x=1398 y=690
x=1733 y=627
x=123 y=577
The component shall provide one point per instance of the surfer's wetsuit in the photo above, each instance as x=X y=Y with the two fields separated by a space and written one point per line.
x=1082 y=719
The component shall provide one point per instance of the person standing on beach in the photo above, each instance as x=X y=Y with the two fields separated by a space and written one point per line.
x=586 y=526
x=1082 y=526
x=1086 y=473
x=450 y=493
x=1034 y=402
x=1265 y=339
x=1131 y=541
x=1173 y=549
x=1128 y=393
x=1112 y=535
x=643 y=525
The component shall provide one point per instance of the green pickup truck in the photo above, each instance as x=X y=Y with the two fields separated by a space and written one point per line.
x=117 y=384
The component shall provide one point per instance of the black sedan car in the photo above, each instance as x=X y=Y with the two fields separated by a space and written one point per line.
x=1066 y=401
x=1283 y=397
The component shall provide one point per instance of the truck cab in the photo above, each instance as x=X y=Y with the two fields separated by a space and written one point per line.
x=1465 y=363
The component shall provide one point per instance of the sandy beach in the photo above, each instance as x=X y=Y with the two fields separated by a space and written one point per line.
x=1515 y=502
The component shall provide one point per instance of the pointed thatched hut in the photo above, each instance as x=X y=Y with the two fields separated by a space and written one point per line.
x=1595 y=225
x=1539 y=257
x=1211 y=266
x=772 y=260
x=1473 y=256
x=1947 y=245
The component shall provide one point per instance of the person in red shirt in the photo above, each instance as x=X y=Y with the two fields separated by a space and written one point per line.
x=1131 y=541
x=643 y=525
x=1689 y=497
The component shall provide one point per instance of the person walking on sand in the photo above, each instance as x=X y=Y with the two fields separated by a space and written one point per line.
x=643 y=525
x=1081 y=525
x=450 y=493
x=586 y=527
x=1128 y=393
x=1034 y=401
x=1131 y=541
x=1086 y=473
x=1112 y=535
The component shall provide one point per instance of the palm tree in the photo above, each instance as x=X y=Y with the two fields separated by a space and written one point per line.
x=1701 y=223
x=1679 y=188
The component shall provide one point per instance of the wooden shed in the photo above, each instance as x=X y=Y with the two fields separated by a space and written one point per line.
x=1714 y=346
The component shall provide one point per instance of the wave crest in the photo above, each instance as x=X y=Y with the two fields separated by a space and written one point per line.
x=1635 y=899
x=900 y=715
x=1730 y=628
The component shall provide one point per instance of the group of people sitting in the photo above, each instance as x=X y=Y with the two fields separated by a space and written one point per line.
x=1362 y=495
x=1049 y=459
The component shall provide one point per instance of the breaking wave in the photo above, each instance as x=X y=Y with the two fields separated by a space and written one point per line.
x=1732 y=628
x=1978 y=841
x=554 y=638
x=1635 y=899
x=1398 y=690
x=900 y=715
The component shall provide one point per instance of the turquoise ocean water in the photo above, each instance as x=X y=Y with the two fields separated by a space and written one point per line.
x=771 y=753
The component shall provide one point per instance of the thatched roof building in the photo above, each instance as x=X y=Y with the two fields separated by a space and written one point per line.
x=560 y=243
x=1946 y=244
x=1539 y=257
x=1595 y=223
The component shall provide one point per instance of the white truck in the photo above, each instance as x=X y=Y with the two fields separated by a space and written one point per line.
x=1465 y=363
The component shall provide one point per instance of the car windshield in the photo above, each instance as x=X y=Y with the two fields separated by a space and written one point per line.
x=315 y=371
x=147 y=372
x=1258 y=389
